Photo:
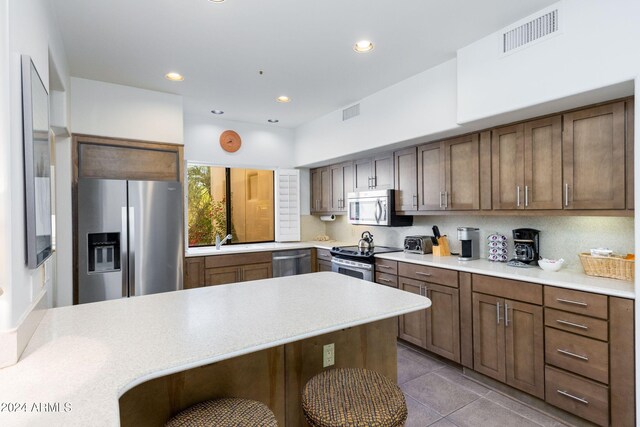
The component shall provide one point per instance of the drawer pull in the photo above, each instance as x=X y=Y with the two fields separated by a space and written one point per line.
x=420 y=273
x=568 y=353
x=575 y=325
x=568 y=301
x=324 y=256
x=571 y=396
x=384 y=280
x=383 y=266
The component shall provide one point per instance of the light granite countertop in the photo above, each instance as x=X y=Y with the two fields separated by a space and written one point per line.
x=85 y=357
x=563 y=279
x=262 y=247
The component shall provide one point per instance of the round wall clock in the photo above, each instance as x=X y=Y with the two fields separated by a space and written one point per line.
x=230 y=141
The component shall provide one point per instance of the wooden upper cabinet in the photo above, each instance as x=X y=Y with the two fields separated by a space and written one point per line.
x=382 y=171
x=507 y=151
x=630 y=159
x=543 y=163
x=527 y=165
x=462 y=173
x=337 y=187
x=594 y=158
x=406 y=182
x=373 y=173
x=316 y=190
x=362 y=175
x=431 y=186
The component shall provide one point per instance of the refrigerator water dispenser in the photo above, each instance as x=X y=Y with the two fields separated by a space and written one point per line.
x=104 y=252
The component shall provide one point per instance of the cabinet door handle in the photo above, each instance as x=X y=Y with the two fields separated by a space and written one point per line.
x=517 y=195
x=375 y=182
x=568 y=353
x=421 y=290
x=441 y=200
x=446 y=200
x=568 y=301
x=575 y=325
x=498 y=313
x=566 y=194
x=571 y=396
x=506 y=314
x=526 y=196
x=420 y=273
x=415 y=200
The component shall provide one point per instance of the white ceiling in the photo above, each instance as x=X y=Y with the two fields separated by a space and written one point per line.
x=303 y=46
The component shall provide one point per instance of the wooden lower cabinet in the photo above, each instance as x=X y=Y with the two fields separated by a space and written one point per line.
x=508 y=342
x=222 y=276
x=412 y=327
x=323 y=266
x=443 y=322
x=256 y=271
x=194 y=273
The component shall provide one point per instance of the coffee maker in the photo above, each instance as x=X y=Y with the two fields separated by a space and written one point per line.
x=526 y=247
x=469 y=243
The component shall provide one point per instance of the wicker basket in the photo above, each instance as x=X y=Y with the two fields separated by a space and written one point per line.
x=613 y=267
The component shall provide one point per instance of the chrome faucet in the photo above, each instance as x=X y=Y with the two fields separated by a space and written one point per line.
x=220 y=243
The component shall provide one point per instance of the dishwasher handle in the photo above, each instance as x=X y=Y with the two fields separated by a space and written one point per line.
x=280 y=258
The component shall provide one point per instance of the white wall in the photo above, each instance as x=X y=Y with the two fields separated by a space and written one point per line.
x=597 y=47
x=106 y=109
x=424 y=104
x=28 y=27
x=262 y=145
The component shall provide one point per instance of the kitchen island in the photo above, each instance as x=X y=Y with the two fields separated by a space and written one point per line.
x=83 y=359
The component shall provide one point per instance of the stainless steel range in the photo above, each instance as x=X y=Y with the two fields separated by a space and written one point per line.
x=351 y=261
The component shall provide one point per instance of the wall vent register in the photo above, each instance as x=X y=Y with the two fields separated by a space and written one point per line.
x=536 y=29
x=351 y=112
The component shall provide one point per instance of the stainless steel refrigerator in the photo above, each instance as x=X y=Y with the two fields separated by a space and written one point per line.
x=130 y=238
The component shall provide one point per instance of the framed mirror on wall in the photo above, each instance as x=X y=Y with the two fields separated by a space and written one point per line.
x=37 y=165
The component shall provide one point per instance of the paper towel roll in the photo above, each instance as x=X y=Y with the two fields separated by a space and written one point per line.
x=328 y=218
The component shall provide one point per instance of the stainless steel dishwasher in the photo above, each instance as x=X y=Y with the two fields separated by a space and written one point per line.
x=290 y=263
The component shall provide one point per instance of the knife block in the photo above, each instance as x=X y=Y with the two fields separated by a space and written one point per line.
x=443 y=247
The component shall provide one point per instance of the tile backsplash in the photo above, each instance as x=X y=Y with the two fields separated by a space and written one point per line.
x=560 y=237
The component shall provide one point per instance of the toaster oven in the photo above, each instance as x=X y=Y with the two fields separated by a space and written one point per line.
x=418 y=244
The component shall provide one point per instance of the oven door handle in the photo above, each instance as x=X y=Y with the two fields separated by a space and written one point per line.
x=352 y=264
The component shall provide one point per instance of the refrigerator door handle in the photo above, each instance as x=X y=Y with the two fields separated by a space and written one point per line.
x=132 y=252
x=124 y=263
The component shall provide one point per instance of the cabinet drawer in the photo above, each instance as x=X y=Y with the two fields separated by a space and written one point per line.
x=584 y=356
x=576 y=323
x=429 y=274
x=236 y=259
x=579 y=396
x=576 y=301
x=387 y=266
x=510 y=289
x=323 y=254
x=387 y=279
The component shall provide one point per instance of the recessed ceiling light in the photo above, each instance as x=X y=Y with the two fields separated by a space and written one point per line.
x=363 y=46
x=216 y=1
x=174 y=77
x=273 y=120
x=217 y=112
x=283 y=98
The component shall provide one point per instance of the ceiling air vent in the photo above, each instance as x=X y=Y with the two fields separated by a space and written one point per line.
x=351 y=112
x=538 y=28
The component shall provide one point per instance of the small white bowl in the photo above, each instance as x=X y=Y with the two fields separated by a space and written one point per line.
x=550 y=264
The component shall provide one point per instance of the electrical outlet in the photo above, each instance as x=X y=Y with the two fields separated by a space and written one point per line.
x=328 y=355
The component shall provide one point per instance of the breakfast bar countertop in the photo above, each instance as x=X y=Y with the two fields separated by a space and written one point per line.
x=564 y=278
x=82 y=358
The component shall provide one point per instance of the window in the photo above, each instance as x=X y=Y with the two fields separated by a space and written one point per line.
x=229 y=201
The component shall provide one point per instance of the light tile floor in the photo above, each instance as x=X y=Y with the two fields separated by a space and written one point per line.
x=438 y=395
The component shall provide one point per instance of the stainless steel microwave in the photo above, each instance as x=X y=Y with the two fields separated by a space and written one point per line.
x=375 y=207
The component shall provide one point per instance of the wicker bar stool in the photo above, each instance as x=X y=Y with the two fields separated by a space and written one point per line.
x=228 y=412
x=353 y=398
